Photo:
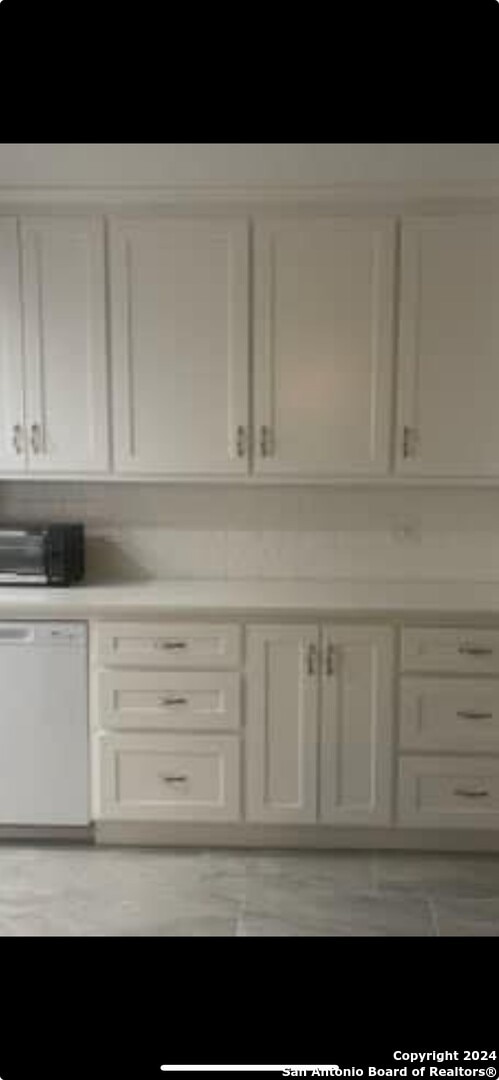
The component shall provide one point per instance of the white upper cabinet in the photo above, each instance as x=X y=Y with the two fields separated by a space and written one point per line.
x=180 y=345
x=12 y=431
x=357 y=724
x=449 y=347
x=323 y=346
x=65 y=344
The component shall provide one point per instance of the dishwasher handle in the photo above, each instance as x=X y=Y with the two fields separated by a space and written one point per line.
x=17 y=634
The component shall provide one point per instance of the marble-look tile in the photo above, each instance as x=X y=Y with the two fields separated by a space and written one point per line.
x=467 y=918
x=459 y=876
x=355 y=915
x=347 y=870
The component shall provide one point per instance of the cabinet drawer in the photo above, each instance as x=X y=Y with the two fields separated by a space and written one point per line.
x=148 y=700
x=449 y=792
x=449 y=714
x=465 y=650
x=169 y=777
x=169 y=645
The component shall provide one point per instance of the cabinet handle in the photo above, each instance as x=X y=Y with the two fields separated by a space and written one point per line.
x=241 y=441
x=481 y=793
x=36 y=438
x=475 y=650
x=170 y=779
x=173 y=701
x=170 y=645
x=469 y=714
x=312 y=659
x=330 y=660
x=18 y=438
x=409 y=438
x=266 y=441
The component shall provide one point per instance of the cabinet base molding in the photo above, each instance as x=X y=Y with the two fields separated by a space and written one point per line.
x=162 y=834
x=82 y=834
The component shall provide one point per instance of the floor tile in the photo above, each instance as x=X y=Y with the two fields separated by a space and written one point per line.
x=461 y=876
x=467 y=918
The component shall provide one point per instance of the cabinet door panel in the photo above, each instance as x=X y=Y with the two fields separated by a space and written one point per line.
x=12 y=431
x=357 y=722
x=323 y=346
x=180 y=345
x=281 y=735
x=449 y=347
x=65 y=344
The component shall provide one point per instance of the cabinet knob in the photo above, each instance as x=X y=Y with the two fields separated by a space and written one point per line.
x=171 y=701
x=330 y=659
x=171 y=779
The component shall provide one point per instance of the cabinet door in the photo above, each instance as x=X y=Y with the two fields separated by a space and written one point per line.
x=12 y=429
x=180 y=345
x=281 y=735
x=323 y=346
x=357 y=722
x=449 y=347
x=65 y=343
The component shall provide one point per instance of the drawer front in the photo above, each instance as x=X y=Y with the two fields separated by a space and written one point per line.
x=169 y=778
x=464 y=650
x=449 y=792
x=176 y=700
x=169 y=645
x=449 y=714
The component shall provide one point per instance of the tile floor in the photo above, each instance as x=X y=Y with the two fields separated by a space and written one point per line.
x=74 y=891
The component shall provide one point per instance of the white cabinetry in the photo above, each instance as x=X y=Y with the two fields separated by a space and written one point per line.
x=357 y=725
x=166 y=721
x=12 y=430
x=180 y=345
x=449 y=347
x=282 y=723
x=355 y=719
x=323 y=345
x=54 y=404
x=65 y=344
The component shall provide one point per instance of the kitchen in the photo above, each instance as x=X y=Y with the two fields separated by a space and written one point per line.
x=249 y=570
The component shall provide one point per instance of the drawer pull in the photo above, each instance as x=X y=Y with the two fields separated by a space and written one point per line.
x=170 y=644
x=170 y=779
x=475 y=650
x=480 y=793
x=469 y=714
x=168 y=701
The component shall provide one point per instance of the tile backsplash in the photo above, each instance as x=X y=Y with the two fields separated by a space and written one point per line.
x=147 y=531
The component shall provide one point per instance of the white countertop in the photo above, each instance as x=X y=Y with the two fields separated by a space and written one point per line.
x=160 y=598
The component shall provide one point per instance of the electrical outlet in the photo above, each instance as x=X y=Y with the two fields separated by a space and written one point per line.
x=406 y=531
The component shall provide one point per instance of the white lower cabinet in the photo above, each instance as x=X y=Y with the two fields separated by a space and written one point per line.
x=169 y=777
x=282 y=723
x=357 y=725
x=449 y=792
x=319 y=724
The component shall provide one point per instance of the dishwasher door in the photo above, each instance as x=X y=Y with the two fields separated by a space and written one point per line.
x=44 y=745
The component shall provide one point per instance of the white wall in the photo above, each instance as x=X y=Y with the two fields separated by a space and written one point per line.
x=245 y=163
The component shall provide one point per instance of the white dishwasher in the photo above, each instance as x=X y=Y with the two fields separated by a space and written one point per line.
x=44 y=771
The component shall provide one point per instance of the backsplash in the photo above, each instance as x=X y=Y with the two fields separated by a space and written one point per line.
x=213 y=531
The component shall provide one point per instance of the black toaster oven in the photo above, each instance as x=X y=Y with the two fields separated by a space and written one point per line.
x=41 y=554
